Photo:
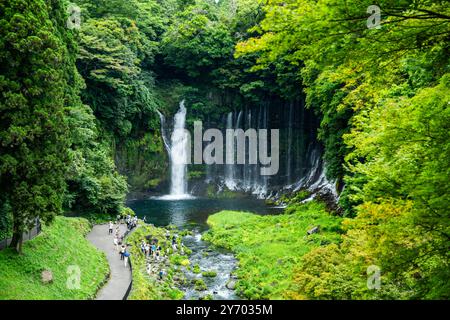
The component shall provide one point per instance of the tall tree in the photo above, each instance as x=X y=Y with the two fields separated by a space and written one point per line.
x=34 y=139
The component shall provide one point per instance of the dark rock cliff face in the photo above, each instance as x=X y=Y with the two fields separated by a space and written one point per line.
x=143 y=161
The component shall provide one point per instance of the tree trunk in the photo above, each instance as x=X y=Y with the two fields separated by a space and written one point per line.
x=17 y=239
x=19 y=244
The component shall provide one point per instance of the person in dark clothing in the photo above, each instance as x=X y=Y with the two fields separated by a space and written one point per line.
x=122 y=251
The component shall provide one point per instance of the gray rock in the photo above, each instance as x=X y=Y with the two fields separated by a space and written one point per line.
x=313 y=230
x=46 y=277
x=231 y=284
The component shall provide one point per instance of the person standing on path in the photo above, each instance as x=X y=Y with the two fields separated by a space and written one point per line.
x=125 y=259
x=147 y=249
x=122 y=251
x=116 y=243
x=111 y=226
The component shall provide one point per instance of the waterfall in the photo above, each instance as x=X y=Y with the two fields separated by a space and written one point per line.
x=178 y=154
x=247 y=166
x=229 y=169
x=289 y=143
x=256 y=168
x=237 y=171
x=163 y=131
x=301 y=163
x=261 y=182
x=302 y=166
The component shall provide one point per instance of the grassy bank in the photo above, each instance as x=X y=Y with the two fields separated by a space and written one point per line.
x=59 y=246
x=269 y=248
x=148 y=286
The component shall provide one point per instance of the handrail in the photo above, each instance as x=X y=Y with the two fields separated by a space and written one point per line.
x=27 y=235
x=127 y=293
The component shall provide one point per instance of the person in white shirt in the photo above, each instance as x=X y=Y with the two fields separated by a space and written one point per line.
x=116 y=243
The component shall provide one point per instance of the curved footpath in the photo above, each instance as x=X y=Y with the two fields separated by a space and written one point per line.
x=120 y=277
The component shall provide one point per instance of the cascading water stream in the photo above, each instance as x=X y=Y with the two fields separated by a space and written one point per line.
x=163 y=131
x=300 y=154
x=289 y=146
x=178 y=154
x=229 y=169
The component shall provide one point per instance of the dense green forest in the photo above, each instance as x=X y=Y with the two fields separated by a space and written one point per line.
x=79 y=127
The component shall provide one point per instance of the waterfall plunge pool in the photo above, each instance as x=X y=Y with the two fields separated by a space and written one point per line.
x=192 y=213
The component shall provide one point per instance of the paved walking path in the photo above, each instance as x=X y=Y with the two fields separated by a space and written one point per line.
x=120 y=277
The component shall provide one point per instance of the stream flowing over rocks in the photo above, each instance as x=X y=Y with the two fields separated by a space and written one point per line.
x=222 y=262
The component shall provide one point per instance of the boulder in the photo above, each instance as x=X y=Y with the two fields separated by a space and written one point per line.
x=46 y=277
x=231 y=284
x=313 y=230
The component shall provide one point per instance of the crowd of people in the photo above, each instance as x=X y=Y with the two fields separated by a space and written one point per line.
x=150 y=247
x=130 y=221
x=158 y=258
x=119 y=245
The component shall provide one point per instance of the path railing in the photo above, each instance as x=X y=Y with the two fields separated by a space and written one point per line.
x=127 y=293
x=28 y=235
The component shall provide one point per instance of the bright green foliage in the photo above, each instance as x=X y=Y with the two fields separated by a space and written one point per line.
x=196 y=269
x=405 y=146
x=58 y=247
x=382 y=95
x=209 y=274
x=109 y=60
x=199 y=46
x=269 y=247
x=93 y=183
x=413 y=261
x=406 y=151
x=344 y=65
x=118 y=44
x=50 y=152
x=199 y=41
x=200 y=285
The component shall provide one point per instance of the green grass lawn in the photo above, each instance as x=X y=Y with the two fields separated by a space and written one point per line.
x=59 y=246
x=269 y=248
